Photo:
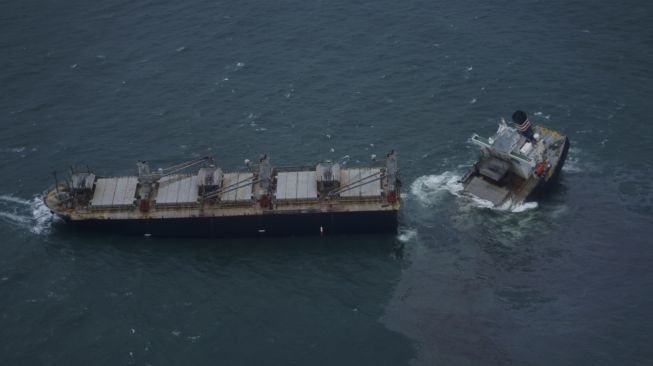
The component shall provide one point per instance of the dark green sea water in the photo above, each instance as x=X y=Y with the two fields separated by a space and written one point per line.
x=564 y=281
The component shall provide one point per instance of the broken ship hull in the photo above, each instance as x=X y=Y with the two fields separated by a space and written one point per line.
x=546 y=184
x=504 y=175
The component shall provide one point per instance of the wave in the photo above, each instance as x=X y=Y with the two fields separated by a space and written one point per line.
x=572 y=164
x=507 y=206
x=20 y=201
x=11 y=217
x=430 y=189
x=13 y=149
x=406 y=235
x=524 y=206
x=32 y=214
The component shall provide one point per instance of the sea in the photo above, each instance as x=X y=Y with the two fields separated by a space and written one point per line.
x=563 y=280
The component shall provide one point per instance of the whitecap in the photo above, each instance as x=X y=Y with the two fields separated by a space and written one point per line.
x=10 y=198
x=31 y=215
x=480 y=203
x=541 y=114
x=42 y=216
x=572 y=163
x=429 y=189
x=13 y=149
x=524 y=206
x=406 y=235
x=15 y=218
x=507 y=206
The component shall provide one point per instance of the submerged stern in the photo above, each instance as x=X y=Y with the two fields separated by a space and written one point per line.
x=513 y=167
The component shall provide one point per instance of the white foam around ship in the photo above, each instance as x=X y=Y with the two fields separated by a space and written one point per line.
x=32 y=214
x=430 y=189
x=406 y=235
x=572 y=164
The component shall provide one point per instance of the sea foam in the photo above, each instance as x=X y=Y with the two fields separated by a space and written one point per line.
x=32 y=214
x=430 y=189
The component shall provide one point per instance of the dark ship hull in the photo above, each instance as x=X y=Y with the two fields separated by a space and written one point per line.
x=546 y=185
x=326 y=223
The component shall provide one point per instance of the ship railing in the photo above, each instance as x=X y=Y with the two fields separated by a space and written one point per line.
x=111 y=208
x=359 y=199
x=209 y=206
x=478 y=140
x=234 y=204
x=175 y=205
x=520 y=157
x=185 y=165
x=312 y=202
x=295 y=168
x=311 y=168
x=303 y=204
x=154 y=176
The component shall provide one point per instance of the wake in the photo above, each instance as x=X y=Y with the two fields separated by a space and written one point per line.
x=32 y=214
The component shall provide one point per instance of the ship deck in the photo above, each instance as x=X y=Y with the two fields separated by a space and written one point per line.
x=178 y=196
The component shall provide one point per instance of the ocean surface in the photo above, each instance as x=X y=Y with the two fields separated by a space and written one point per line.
x=566 y=280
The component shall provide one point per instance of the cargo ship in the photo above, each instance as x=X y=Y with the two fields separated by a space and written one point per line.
x=518 y=163
x=198 y=199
